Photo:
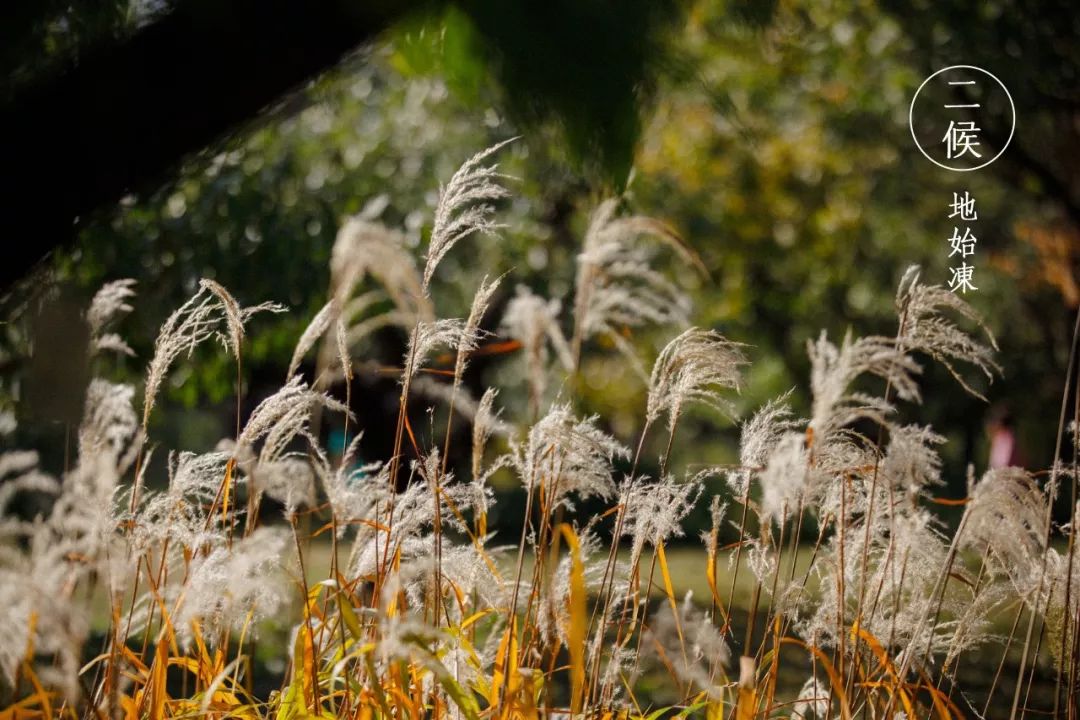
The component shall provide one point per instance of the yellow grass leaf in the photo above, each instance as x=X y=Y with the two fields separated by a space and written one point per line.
x=157 y=680
x=670 y=592
x=348 y=616
x=944 y=707
x=24 y=709
x=835 y=682
x=747 y=699
x=40 y=693
x=478 y=615
x=227 y=489
x=505 y=664
x=578 y=612
x=710 y=575
x=860 y=633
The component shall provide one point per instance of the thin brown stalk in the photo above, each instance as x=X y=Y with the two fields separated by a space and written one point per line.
x=1049 y=515
x=316 y=703
x=395 y=459
x=517 y=575
x=738 y=553
x=1004 y=656
x=607 y=582
x=634 y=578
x=1067 y=615
x=775 y=584
x=1034 y=665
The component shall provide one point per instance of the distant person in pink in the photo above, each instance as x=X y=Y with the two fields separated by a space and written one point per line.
x=1004 y=446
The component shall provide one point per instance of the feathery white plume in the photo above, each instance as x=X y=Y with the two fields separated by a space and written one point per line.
x=277 y=422
x=314 y=330
x=572 y=454
x=196 y=321
x=229 y=583
x=269 y=413
x=760 y=436
x=693 y=368
x=109 y=303
x=342 y=342
x=924 y=328
x=785 y=479
x=813 y=701
x=107 y=306
x=692 y=644
x=19 y=472
x=911 y=463
x=485 y=422
x=617 y=286
x=289 y=479
x=465 y=207
x=235 y=316
x=534 y=323
x=109 y=424
x=1005 y=518
x=655 y=511
x=427 y=336
x=833 y=370
x=368 y=248
x=470 y=335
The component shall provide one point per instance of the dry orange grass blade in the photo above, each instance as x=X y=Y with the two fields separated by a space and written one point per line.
x=227 y=494
x=894 y=684
x=27 y=708
x=747 y=698
x=669 y=591
x=710 y=575
x=505 y=673
x=158 y=676
x=835 y=681
x=578 y=619
x=943 y=706
x=40 y=696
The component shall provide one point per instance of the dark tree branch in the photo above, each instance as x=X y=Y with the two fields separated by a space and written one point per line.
x=122 y=118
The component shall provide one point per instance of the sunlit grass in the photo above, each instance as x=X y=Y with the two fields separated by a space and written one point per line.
x=381 y=592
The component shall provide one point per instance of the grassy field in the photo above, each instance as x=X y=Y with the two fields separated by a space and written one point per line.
x=687 y=567
x=687 y=564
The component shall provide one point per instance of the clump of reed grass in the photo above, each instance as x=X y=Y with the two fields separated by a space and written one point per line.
x=422 y=616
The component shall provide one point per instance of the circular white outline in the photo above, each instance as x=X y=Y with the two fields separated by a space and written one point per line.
x=911 y=117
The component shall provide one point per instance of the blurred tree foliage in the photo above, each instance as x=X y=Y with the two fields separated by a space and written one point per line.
x=774 y=138
x=803 y=190
x=38 y=36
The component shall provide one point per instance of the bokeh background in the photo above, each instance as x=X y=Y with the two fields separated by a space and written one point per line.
x=772 y=136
